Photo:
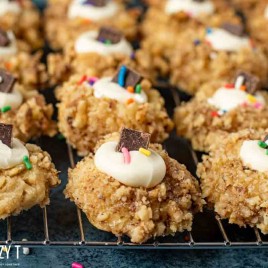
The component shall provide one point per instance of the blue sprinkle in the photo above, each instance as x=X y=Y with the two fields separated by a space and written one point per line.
x=121 y=76
x=209 y=30
x=197 y=42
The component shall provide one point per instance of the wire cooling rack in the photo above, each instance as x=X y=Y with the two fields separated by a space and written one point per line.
x=63 y=225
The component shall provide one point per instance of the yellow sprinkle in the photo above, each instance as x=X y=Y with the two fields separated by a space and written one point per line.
x=251 y=98
x=145 y=152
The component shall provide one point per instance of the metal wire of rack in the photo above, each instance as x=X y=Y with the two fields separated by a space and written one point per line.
x=120 y=243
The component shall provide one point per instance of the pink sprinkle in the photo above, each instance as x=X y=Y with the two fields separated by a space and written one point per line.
x=77 y=265
x=258 y=105
x=126 y=155
x=92 y=80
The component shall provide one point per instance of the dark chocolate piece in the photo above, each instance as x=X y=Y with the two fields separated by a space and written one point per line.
x=4 y=40
x=109 y=34
x=251 y=82
x=132 y=78
x=133 y=140
x=236 y=29
x=6 y=134
x=200 y=1
x=7 y=81
x=96 y=3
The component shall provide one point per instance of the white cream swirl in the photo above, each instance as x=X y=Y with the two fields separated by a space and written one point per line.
x=79 y=10
x=87 y=43
x=11 y=49
x=142 y=171
x=105 y=88
x=222 y=40
x=13 y=99
x=7 y=6
x=194 y=8
x=228 y=99
x=10 y=157
x=253 y=156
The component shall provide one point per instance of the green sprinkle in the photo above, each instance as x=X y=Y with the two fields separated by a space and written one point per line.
x=107 y=42
x=267 y=152
x=5 y=109
x=262 y=144
x=138 y=89
x=60 y=137
x=27 y=162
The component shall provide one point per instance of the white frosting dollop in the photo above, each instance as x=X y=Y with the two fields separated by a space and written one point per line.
x=11 y=49
x=223 y=40
x=253 y=156
x=9 y=7
x=13 y=99
x=228 y=99
x=105 y=88
x=142 y=171
x=87 y=43
x=194 y=8
x=10 y=157
x=78 y=10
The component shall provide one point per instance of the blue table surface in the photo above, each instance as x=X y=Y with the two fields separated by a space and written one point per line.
x=60 y=258
x=63 y=257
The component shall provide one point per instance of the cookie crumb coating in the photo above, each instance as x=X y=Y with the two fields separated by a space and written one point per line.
x=84 y=119
x=32 y=119
x=60 y=29
x=26 y=26
x=187 y=61
x=236 y=193
x=194 y=120
x=137 y=212
x=62 y=66
x=27 y=68
x=159 y=45
x=21 y=189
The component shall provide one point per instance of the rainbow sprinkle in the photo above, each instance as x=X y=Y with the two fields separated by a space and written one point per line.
x=145 y=152
x=138 y=89
x=209 y=30
x=121 y=76
x=129 y=101
x=262 y=144
x=126 y=154
x=251 y=98
x=92 y=80
x=82 y=80
x=5 y=109
x=130 y=89
x=27 y=162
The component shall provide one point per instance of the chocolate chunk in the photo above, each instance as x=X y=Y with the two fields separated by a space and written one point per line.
x=6 y=134
x=200 y=1
x=7 y=81
x=265 y=139
x=132 y=78
x=109 y=34
x=4 y=40
x=251 y=82
x=96 y=3
x=133 y=140
x=235 y=29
